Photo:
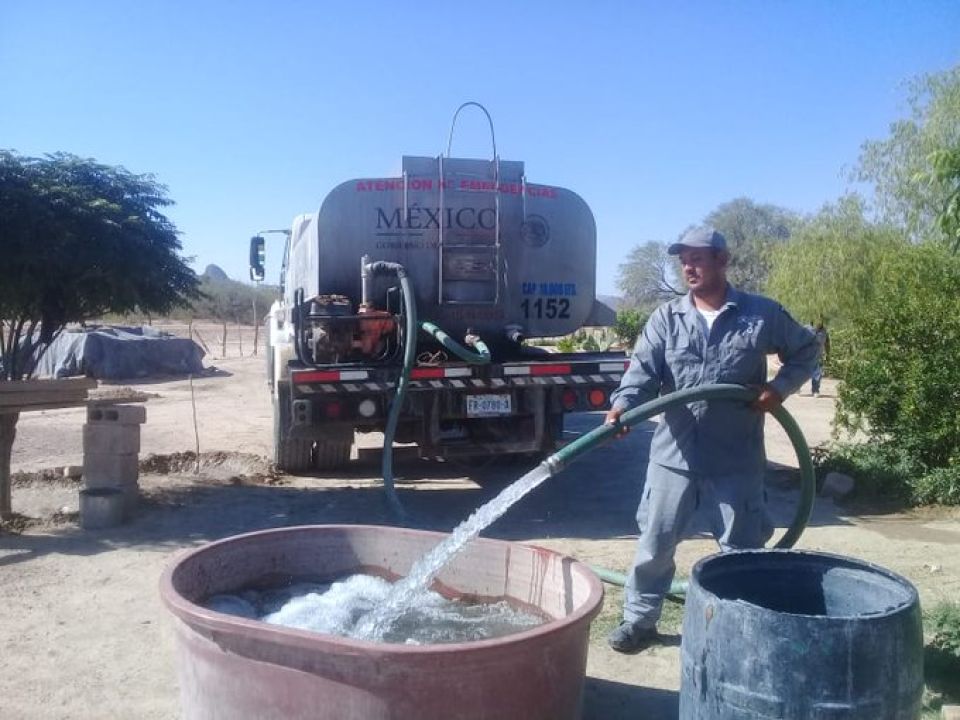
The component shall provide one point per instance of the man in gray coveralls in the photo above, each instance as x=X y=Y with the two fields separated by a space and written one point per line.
x=703 y=454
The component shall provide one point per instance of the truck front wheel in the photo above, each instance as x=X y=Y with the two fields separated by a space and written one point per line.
x=289 y=454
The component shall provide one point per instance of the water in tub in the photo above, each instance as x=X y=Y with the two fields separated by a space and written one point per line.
x=371 y=608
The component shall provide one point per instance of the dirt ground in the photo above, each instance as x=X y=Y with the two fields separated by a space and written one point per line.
x=84 y=634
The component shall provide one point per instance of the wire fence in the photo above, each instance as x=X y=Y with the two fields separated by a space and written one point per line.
x=218 y=339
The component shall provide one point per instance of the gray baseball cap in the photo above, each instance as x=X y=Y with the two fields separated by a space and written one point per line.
x=701 y=237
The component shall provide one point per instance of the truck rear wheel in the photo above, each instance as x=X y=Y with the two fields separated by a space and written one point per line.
x=289 y=454
x=332 y=454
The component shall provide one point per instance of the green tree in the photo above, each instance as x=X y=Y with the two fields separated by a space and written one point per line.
x=630 y=322
x=946 y=174
x=752 y=231
x=900 y=376
x=828 y=269
x=79 y=240
x=908 y=190
x=649 y=276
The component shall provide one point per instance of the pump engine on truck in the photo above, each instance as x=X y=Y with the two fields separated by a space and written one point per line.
x=483 y=259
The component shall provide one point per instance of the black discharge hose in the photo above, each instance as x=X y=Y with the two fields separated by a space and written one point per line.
x=409 y=358
x=481 y=356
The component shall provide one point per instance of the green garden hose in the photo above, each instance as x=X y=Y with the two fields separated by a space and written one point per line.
x=480 y=357
x=736 y=393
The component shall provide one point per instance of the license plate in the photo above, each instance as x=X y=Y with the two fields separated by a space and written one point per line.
x=488 y=405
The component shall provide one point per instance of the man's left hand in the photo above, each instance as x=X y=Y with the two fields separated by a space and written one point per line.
x=768 y=400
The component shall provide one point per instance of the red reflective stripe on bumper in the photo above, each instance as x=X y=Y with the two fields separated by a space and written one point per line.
x=316 y=376
x=550 y=370
x=426 y=373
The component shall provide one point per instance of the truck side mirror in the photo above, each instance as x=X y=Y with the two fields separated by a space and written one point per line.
x=257 y=258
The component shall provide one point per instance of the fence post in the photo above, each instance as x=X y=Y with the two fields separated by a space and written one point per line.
x=240 y=338
x=203 y=343
x=223 y=341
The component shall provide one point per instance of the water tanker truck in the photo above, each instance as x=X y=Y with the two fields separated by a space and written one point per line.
x=483 y=259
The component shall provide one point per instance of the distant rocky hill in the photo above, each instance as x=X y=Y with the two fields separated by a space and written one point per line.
x=612 y=301
x=231 y=300
x=215 y=272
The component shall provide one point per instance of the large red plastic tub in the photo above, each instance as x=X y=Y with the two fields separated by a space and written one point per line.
x=231 y=667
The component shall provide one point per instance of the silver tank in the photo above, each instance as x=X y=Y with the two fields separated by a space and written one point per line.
x=484 y=248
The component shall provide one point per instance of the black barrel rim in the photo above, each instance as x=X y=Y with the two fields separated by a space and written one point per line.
x=910 y=601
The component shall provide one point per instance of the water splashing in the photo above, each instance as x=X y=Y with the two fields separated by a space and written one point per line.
x=405 y=592
x=333 y=609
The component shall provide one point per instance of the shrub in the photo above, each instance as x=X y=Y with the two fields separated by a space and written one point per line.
x=943 y=623
x=605 y=339
x=880 y=470
x=889 y=471
x=628 y=325
x=590 y=344
x=580 y=340
x=900 y=375
x=941 y=657
x=940 y=486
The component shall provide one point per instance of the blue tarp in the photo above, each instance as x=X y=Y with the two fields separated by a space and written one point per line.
x=120 y=353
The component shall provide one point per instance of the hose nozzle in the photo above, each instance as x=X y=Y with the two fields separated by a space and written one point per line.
x=515 y=333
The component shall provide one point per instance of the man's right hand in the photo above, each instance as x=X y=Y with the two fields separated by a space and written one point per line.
x=613 y=418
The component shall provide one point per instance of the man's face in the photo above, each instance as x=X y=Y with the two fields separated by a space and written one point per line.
x=703 y=269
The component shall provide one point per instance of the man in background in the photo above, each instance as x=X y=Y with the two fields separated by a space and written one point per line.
x=823 y=342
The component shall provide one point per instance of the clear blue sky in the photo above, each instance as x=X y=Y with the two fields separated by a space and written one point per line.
x=655 y=113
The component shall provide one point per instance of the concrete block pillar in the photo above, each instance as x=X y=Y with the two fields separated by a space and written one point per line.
x=111 y=450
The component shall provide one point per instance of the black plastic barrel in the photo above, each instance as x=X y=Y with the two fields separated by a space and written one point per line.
x=790 y=634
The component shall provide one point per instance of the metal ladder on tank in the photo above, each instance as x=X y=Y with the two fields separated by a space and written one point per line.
x=496 y=247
